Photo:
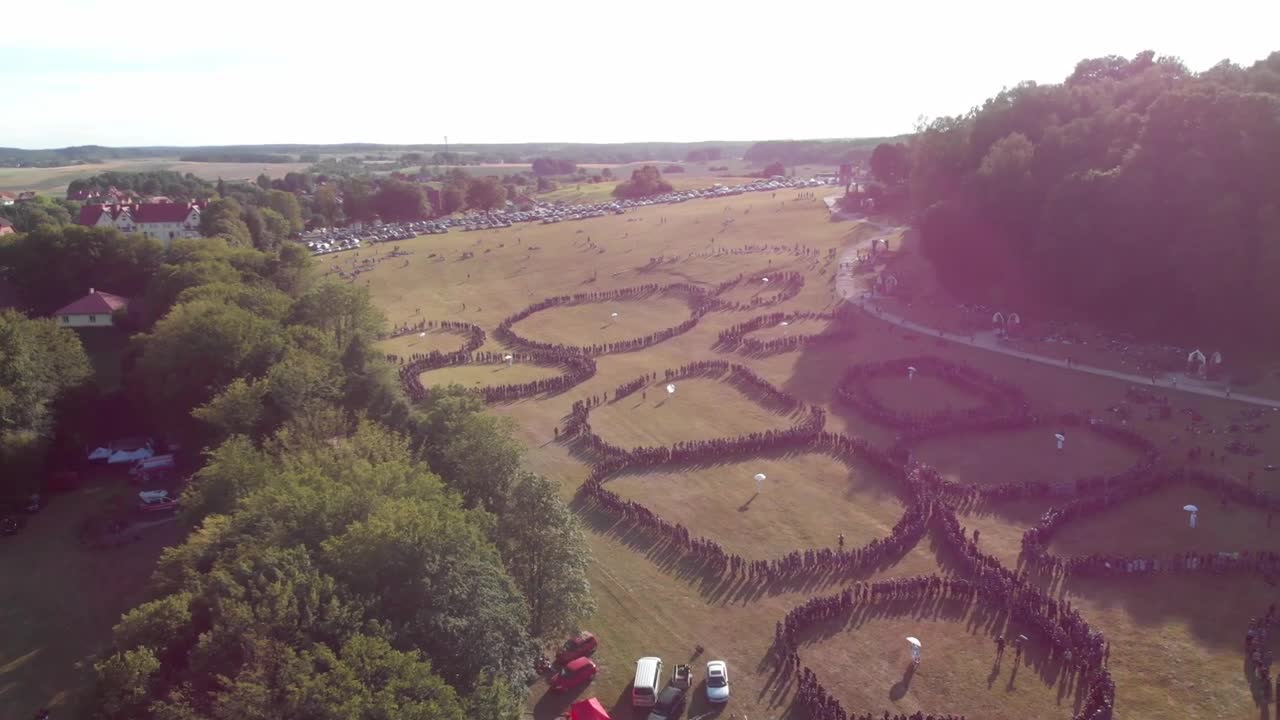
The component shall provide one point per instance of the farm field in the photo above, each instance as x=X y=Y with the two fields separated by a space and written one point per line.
x=54 y=181
x=1175 y=640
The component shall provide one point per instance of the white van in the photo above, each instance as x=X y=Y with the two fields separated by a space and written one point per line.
x=644 y=690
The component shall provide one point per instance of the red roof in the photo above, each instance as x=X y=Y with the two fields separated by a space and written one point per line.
x=89 y=214
x=95 y=303
x=161 y=212
x=168 y=212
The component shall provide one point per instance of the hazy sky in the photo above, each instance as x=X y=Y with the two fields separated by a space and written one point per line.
x=152 y=72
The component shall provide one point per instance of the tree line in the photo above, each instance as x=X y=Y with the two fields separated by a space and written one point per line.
x=351 y=554
x=1135 y=192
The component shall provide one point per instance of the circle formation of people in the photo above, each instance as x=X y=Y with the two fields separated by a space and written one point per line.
x=840 y=329
x=930 y=499
x=930 y=502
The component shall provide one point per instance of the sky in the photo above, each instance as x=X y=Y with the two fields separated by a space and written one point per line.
x=154 y=72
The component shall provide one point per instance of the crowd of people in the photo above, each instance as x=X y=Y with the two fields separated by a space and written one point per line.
x=577 y=369
x=361 y=265
x=1036 y=539
x=698 y=298
x=1257 y=651
x=473 y=334
x=840 y=329
x=786 y=284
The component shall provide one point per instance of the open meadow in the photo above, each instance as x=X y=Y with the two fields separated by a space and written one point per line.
x=1175 y=640
x=54 y=180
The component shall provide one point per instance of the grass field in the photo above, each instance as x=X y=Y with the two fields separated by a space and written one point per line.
x=807 y=501
x=54 y=181
x=485 y=375
x=635 y=319
x=433 y=341
x=58 y=602
x=1176 y=640
x=1025 y=455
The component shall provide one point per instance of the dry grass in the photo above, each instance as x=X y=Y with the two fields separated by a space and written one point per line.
x=694 y=412
x=433 y=341
x=1176 y=641
x=54 y=180
x=566 y=324
x=1025 y=455
x=921 y=395
x=807 y=501
x=474 y=376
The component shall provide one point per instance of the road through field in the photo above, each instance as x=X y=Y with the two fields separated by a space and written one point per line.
x=847 y=290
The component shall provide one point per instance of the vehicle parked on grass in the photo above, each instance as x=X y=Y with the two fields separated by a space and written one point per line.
x=669 y=704
x=717 y=681
x=576 y=673
x=156 y=501
x=582 y=644
x=647 y=682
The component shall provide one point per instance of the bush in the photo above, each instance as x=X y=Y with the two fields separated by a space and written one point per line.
x=645 y=181
x=673 y=169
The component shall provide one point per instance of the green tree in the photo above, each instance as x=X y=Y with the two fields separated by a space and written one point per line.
x=286 y=203
x=486 y=194
x=236 y=410
x=773 y=169
x=645 y=181
x=545 y=552
x=328 y=204
x=224 y=218
x=264 y=181
x=399 y=201
x=890 y=163
x=124 y=683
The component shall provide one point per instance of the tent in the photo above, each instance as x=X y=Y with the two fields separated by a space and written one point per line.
x=589 y=709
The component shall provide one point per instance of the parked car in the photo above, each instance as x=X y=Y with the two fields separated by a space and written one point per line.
x=670 y=703
x=576 y=673
x=717 y=681
x=582 y=644
x=156 y=501
x=12 y=524
x=682 y=676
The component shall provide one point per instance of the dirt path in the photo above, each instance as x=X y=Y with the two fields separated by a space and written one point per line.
x=847 y=290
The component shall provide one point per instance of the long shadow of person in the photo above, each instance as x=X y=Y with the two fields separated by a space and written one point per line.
x=900 y=688
x=747 y=505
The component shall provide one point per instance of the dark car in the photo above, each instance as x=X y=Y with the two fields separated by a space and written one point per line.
x=582 y=644
x=575 y=673
x=11 y=524
x=670 y=703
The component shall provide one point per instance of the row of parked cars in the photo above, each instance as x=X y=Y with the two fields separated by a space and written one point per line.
x=546 y=213
x=574 y=668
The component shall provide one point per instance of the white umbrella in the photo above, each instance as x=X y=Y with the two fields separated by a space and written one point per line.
x=760 y=477
x=1060 y=438
x=1191 y=508
x=508 y=358
x=914 y=641
x=613 y=315
x=671 y=389
x=422 y=334
x=764 y=279
x=911 y=371
x=784 y=323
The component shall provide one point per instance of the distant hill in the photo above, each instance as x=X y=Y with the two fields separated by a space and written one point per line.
x=807 y=151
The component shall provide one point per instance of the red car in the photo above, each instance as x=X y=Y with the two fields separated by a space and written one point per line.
x=580 y=645
x=576 y=673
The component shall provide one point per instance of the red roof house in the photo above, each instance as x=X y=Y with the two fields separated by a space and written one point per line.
x=92 y=310
x=6 y=227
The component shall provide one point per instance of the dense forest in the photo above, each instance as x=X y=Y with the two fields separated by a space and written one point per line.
x=350 y=554
x=1137 y=193
x=811 y=152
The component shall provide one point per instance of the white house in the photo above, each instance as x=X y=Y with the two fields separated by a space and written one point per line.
x=164 y=221
x=92 y=310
